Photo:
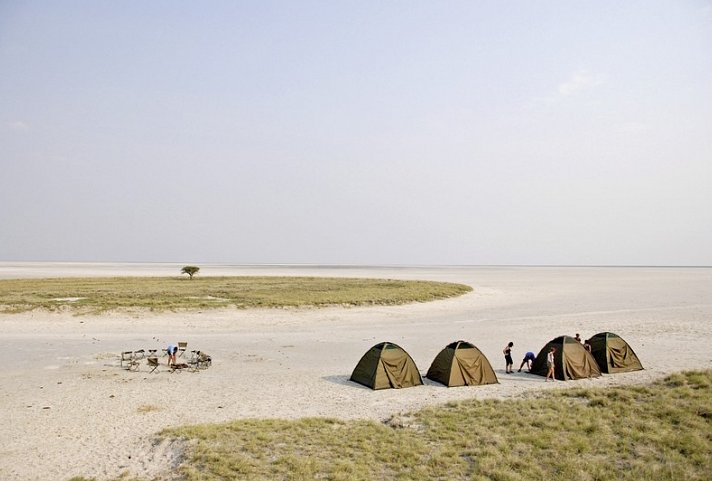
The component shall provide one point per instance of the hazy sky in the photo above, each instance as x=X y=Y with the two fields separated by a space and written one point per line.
x=361 y=132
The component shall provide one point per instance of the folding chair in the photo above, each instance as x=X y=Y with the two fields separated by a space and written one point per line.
x=126 y=357
x=153 y=363
x=193 y=361
x=193 y=357
x=204 y=360
x=181 y=348
x=140 y=354
x=130 y=360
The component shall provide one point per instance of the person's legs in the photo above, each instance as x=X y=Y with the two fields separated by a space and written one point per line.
x=522 y=365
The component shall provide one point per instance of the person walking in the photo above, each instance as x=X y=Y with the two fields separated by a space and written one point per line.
x=550 y=364
x=508 y=357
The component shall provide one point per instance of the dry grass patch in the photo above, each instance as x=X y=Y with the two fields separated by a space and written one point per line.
x=660 y=432
x=172 y=293
x=148 y=408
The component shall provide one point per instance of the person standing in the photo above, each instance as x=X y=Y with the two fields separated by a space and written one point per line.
x=508 y=357
x=550 y=364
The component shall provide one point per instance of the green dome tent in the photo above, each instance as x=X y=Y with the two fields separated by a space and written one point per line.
x=461 y=364
x=571 y=361
x=386 y=365
x=613 y=354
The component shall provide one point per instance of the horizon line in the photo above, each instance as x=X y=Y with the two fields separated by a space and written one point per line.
x=356 y=265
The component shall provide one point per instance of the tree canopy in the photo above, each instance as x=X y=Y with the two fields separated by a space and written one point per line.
x=190 y=270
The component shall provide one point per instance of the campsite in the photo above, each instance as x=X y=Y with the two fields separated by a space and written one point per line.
x=64 y=382
x=355 y=241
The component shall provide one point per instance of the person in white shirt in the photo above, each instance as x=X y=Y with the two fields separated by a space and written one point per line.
x=550 y=364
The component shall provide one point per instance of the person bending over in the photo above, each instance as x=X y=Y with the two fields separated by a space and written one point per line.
x=171 y=351
x=528 y=359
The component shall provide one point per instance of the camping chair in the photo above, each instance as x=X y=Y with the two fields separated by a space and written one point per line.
x=140 y=354
x=204 y=360
x=181 y=348
x=193 y=361
x=153 y=363
x=126 y=356
x=130 y=360
x=199 y=360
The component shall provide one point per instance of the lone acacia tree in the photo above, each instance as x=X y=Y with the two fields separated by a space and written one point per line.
x=190 y=270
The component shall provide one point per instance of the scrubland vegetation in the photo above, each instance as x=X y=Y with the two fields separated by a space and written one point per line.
x=173 y=293
x=656 y=432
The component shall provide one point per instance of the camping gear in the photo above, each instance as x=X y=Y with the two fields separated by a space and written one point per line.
x=461 y=364
x=178 y=367
x=571 y=360
x=613 y=354
x=152 y=363
x=386 y=365
x=128 y=358
x=200 y=359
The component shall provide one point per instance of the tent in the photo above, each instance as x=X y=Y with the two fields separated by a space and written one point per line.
x=461 y=364
x=572 y=360
x=386 y=365
x=613 y=354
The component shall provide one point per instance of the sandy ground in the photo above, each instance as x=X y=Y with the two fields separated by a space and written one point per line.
x=67 y=408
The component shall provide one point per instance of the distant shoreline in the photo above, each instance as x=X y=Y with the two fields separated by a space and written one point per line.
x=352 y=266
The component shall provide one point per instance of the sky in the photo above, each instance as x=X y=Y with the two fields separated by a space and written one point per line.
x=357 y=132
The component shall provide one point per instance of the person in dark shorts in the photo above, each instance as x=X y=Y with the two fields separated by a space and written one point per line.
x=528 y=360
x=508 y=357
